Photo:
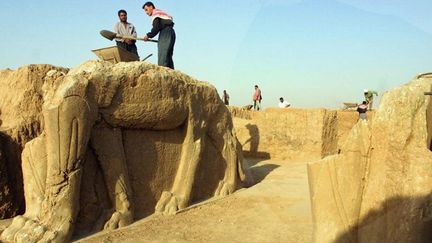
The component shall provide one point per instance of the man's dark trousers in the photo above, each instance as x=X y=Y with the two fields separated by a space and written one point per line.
x=166 y=43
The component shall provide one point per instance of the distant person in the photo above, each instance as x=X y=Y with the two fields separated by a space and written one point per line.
x=125 y=28
x=225 y=97
x=257 y=99
x=362 y=109
x=283 y=103
x=163 y=25
x=369 y=94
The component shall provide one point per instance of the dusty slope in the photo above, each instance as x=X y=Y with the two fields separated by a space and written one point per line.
x=276 y=209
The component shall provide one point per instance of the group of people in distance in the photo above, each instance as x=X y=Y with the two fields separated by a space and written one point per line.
x=257 y=97
x=162 y=24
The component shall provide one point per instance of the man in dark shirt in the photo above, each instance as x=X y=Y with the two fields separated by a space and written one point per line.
x=163 y=25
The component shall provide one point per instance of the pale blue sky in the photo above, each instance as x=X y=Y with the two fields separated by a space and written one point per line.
x=315 y=53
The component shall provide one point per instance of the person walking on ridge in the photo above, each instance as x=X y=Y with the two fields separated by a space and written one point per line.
x=225 y=97
x=257 y=98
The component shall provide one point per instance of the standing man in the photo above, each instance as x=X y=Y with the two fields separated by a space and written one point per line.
x=225 y=97
x=125 y=28
x=163 y=25
x=369 y=94
x=257 y=98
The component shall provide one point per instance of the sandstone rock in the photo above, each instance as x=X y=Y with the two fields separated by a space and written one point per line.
x=20 y=121
x=240 y=112
x=336 y=185
x=397 y=202
x=380 y=192
x=289 y=134
x=160 y=138
x=346 y=120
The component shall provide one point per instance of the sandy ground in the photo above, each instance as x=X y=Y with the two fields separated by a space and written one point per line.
x=275 y=209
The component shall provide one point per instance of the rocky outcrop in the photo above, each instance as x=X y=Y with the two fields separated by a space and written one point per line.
x=20 y=121
x=119 y=142
x=378 y=189
x=346 y=120
x=336 y=185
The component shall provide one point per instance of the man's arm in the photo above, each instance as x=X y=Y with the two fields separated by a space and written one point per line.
x=157 y=26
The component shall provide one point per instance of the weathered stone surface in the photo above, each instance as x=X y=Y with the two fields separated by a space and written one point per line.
x=387 y=197
x=160 y=139
x=346 y=120
x=336 y=185
x=240 y=112
x=20 y=120
x=289 y=134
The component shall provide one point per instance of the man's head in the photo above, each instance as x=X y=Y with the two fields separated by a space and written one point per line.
x=122 y=14
x=224 y=91
x=364 y=102
x=281 y=99
x=148 y=8
x=256 y=86
x=365 y=91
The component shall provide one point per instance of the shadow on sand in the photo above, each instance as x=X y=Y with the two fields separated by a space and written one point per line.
x=257 y=173
x=254 y=140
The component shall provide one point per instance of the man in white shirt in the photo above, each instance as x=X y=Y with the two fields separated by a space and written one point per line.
x=283 y=103
x=125 y=28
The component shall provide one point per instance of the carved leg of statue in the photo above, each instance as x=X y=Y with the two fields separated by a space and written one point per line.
x=67 y=128
x=34 y=160
x=231 y=152
x=108 y=145
x=180 y=194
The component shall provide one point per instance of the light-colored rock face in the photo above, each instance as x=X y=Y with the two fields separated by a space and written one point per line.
x=21 y=94
x=161 y=140
x=292 y=134
x=336 y=185
x=346 y=120
x=379 y=188
x=21 y=99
